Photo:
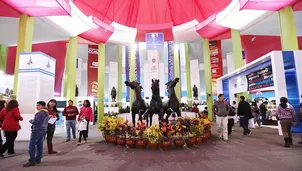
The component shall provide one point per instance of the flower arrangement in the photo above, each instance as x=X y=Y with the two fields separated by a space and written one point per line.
x=153 y=133
x=183 y=129
x=130 y=131
x=103 y=127
x=197 y=128
x=207 y=124
x=122 y=127
x=166 y=129
x=139 y=129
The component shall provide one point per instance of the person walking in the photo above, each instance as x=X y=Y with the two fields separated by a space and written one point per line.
x=245 y=113
x=256 y=113
x=231 y=120
x=70 y=112
x=2 y=106
x=86 y=111
x=10 y=117
x=263 y=111
x=82 y=127
x=287 y=116
x=221 y=109
x=52 y=113
x=38 y=133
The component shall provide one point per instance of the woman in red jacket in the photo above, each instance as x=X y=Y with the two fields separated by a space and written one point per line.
x=86 y=111
x=10 y=117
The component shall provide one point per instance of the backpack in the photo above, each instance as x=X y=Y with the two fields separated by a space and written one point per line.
x=232 y=112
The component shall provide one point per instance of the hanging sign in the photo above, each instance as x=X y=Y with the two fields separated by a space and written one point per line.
x=154 y=41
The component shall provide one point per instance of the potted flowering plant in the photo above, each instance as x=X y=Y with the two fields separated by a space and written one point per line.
x=112 y=123
x=180 y=131
x=197 y=129
x=167 y=130
x=104 y=127
x=153 y=133
x=207 y=124
x=190 y=141
x=121 y=132
x=130 y=136
x=139 y=131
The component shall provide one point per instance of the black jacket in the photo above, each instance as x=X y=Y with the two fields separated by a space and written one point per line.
x=263 y=109
x=244 y=109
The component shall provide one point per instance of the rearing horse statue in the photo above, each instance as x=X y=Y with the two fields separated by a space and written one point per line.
x=156 y=104
x=138 y=106
x=173 y=102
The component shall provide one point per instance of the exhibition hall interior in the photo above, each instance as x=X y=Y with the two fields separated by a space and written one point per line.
x=156 y=84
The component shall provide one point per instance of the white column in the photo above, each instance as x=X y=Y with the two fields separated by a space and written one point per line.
x=113 y=77
x=230 y=62
x=279 y=79
x=195 y=77
x=153 y=60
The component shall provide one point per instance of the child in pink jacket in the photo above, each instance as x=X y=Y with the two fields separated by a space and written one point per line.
x=86 y=111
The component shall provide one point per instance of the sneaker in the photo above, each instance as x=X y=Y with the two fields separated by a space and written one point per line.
x=226 y=140
x=67 y=140
x=79 y=143
x=1 y=155
x=29 y=164
x=84 y=142
x=249 y=133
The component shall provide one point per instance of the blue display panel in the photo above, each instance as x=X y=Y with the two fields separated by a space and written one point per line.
x=292 y=85
x=225 y=88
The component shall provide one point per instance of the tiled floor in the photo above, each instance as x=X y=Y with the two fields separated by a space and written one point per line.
x=263 y=150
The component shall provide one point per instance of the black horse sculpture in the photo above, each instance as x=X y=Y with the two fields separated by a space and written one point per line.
x=173 y=102
x=156 y=104
x=138 y=106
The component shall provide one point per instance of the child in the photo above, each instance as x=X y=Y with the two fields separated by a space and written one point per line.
x=82 y=128
x=38 y=132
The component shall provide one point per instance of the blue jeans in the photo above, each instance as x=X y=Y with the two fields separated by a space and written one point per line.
x=36 y=142
x=244 y=123
x=71 y=124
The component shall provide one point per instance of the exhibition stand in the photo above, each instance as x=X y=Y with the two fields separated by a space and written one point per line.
x=276 y=71
x=35 y=83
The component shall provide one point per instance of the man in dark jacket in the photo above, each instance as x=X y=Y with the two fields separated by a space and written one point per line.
x=38 y=132
x=263 y=111
x=245 y=112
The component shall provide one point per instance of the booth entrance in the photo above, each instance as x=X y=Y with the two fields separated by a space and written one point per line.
x=274 y=75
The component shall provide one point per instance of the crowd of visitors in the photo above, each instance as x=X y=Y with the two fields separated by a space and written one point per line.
x=285 y=113
x=43 y=126
x=44 y=122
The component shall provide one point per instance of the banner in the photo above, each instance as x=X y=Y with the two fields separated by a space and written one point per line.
x=170 y=60
x=260 y=79
x=155 y=41
x=216 y=63
x=137 y=69
x=92 y=71
x=216 y=59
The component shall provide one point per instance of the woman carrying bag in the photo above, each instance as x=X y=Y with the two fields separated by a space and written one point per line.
x=86 y=111
x=10 y=117
x=287 y=117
